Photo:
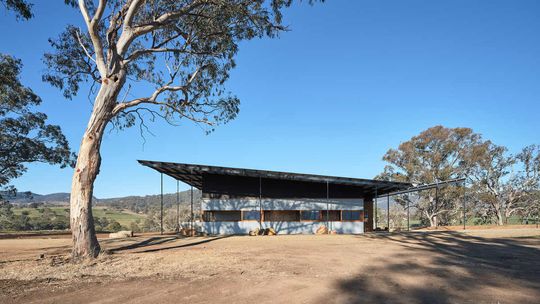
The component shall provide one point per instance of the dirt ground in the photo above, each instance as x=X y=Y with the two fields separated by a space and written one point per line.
x=476 y=266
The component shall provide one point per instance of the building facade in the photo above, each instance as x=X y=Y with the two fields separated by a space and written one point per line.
x=236 y=200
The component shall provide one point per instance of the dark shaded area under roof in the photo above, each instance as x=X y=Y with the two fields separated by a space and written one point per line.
x=250 y=182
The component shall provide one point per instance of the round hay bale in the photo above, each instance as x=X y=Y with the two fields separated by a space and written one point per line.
x=254 y=232
x=322 y=230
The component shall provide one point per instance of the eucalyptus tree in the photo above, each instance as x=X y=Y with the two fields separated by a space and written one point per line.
x=434 y=155
x=179 y=51
x=21 y=8
x=530 y=160
x=505 y=184
x=491 y=166
x=24 y=134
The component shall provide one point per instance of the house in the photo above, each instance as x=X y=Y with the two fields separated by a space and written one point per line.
x=237 y=200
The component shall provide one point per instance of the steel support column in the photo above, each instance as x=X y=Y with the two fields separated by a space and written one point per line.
x=408 y=216
x=375 y=205
x=177 y=206
x=436 y=206
x=260 y=203
x=388 y=213
x=161 y=200
x=327 y=207
x=192 y=216
x=464 y=210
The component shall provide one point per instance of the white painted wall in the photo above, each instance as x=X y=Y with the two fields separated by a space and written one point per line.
x=282 y=204
x=307 y=227
x=244 y=227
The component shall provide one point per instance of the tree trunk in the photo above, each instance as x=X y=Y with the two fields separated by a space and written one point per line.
x=85 y=243
x=499 y=216
x=432 y=219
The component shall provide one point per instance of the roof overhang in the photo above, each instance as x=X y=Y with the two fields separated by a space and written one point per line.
x=193 y=174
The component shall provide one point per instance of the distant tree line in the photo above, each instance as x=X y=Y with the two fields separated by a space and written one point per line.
x=150 y=203
x=46 y=219
x=499 y=185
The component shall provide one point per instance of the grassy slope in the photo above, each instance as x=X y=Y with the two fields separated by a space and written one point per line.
x=123 y=217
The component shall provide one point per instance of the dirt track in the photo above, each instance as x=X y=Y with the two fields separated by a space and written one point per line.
x=419 y=267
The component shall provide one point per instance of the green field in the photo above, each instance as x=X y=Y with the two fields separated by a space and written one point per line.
x=124 y=217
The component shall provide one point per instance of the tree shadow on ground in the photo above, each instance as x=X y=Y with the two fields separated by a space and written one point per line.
x=155 y=241
x=449 y=267
x=150 y=241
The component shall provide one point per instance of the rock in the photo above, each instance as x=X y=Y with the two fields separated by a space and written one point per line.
x=121 y=234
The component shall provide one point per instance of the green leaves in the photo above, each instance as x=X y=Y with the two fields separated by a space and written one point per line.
x=21 y=8
x=181 y=50
x=24 y=135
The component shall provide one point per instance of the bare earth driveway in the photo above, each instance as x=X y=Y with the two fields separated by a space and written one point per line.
x=501 y=266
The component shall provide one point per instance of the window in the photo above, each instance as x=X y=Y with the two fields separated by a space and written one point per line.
x=330 y=215
x=251 y=215
x=281 y=215
x=310 y=215
x=222 y=216
x=351 y=215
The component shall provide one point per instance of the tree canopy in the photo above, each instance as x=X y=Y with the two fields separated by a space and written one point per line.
x=499 y=184
x=180 y=51
x=435 y=155
x=21 y=8
x=24 y=134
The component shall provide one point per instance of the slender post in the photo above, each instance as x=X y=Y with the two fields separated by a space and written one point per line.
x=327 y=207
x=260 y=203
x=436 y=206
x=161 y=217
x=375 y=203
x=408 y=216
x=388 y=212
x=177 y=206
x=464 y=201
x=192 y=217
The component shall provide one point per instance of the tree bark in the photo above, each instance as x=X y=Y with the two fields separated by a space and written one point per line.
x=500 y=220
x=432 y=219
x=499 y=216
x=85 y=243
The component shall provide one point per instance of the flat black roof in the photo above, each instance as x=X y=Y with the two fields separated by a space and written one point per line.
x=192 y=174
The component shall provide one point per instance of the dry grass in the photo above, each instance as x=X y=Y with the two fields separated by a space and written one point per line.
x=434 y=267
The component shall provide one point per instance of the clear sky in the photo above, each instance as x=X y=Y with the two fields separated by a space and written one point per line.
x=349 y=81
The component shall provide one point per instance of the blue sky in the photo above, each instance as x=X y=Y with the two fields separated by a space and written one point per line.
x=349 y=81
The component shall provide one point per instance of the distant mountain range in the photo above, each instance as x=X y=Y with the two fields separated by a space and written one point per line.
x=61 y=198
x=135 y=203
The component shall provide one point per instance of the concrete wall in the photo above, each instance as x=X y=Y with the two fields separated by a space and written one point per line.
x=303 y=227
x=282 y=204
x=244 y=227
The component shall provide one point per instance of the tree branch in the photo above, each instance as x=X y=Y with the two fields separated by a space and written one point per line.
x=83 y=47
x=92 y=25
x=99 y=11
x=129 y=33
x=153 y=98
